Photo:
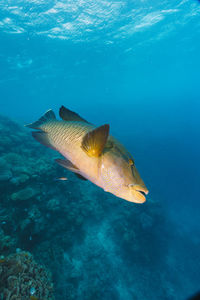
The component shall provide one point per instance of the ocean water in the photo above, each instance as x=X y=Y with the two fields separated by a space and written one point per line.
x=132 y=64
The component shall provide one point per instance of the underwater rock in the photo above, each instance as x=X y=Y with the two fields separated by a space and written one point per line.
x=22 y=278
x=37 y=220
x=5 y=172
x=20 y=179
x=34 y=213
x=24 y=223
x=53 y=204
x=146 y=220
x=13 y=159
x=24 y=194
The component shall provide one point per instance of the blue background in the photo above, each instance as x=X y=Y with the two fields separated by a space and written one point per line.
x=132 y=64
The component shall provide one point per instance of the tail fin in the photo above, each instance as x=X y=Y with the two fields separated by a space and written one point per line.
x=49 y=115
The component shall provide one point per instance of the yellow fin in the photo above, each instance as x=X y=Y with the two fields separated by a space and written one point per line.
x=131 y=162
x=94 y=141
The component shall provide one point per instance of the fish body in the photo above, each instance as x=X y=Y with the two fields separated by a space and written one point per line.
x=66 y=138
x=91 y=153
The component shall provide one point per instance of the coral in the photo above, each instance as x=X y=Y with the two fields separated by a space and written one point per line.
x=13 y=159
x=5 y=172
x=22 y=178
x=22 y=278
x=24 y=194
x=146 y=220
x=53 y=204
x=7 y=243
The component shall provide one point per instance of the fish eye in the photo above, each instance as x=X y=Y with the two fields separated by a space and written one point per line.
x=131 y=162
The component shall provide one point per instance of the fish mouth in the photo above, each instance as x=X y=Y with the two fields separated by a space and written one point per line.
x=139 y=193
x=143 y=193
x=140 y=196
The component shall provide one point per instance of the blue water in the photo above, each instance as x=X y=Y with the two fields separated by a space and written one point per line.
x=136 y=66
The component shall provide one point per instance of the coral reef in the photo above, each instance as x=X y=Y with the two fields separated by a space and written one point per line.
x=7 y=243
x=21 y=278
x=5 y=172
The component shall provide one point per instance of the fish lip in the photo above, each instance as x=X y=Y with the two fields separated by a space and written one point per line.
x=140 y=192
x=144 y=193
x=141 y=189
x=141 y=196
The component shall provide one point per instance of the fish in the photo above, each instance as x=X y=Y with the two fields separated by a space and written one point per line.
x=61 y=179
x=91 y=153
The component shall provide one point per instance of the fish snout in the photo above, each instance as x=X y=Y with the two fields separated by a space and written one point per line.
x=139 y=193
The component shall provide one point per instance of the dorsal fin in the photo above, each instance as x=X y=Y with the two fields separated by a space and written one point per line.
x=49 y=115
x=94 y=141
x=68 y=115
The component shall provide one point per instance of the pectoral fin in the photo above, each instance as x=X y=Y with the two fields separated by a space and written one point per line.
x=94 y=141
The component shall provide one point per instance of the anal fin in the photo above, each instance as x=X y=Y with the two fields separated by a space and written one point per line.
x=81 y=177
x=65 y=163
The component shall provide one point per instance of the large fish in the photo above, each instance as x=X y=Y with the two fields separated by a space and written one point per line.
x=91 y=153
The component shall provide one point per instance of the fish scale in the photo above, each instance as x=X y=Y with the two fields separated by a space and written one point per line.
x=60 y=132
x=66 y=137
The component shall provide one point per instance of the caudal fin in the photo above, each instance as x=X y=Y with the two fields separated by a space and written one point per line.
x=49 y=115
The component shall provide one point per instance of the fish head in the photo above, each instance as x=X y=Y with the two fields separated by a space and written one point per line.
x=137 y=188
x=120 y=177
